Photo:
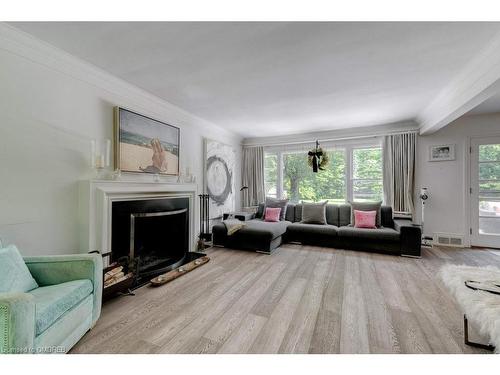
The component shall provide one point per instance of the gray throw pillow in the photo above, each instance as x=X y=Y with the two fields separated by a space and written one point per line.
x=260 y=211
x=314 y=213
x=277 y=203
x=367 y=206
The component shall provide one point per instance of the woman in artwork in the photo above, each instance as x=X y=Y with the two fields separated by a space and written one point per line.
x=159 y=160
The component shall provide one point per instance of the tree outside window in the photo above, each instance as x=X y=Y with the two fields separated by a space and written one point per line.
x=352 y=174
x=300 y=183
x=271 y=174
x=367 y=174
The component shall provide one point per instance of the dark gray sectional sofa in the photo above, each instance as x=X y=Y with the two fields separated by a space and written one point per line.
x=395 y=236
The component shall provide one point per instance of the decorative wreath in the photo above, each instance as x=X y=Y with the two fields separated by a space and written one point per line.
x=317 y=158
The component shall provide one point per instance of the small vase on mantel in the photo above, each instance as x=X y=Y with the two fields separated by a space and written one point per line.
x=117 y=175
x=100 y=154
x=186 y=177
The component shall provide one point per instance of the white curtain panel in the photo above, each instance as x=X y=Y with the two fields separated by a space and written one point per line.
x=253 y=176
x=399 y=171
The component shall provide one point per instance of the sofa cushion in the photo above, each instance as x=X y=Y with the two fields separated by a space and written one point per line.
x=367 y=206
x=312 y=229
x=53 y=301
x=277 y=203
x=386 y=216
x=272 y=215
x=263 y=229
x=290 y=212
x=260 y=211
x=378 y=234
x=365 y=219
x=14 y=274
x=344 y=215
x=314 y=213
x=298 y=213
x=332 y=214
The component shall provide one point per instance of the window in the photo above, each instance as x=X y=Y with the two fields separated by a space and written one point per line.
x=353 y=173
x=271 y=174
x=489 y=189
x=300 y=183
x=367 y=174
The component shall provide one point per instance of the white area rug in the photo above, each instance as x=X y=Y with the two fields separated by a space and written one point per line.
x=482 y=308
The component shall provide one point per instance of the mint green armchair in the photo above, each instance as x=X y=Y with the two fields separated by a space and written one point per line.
x=53 y=317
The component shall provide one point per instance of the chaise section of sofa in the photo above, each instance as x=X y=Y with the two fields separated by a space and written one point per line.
x=257 y=234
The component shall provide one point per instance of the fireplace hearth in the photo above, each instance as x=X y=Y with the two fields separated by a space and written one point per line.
x=153 y=234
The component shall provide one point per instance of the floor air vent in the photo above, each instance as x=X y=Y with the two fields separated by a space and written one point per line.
x=447 y=239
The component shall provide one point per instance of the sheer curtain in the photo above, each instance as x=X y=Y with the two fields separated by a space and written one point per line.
x=399 y=171
x=253 y=176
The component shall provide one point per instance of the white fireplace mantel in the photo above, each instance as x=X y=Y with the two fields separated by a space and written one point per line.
x=97 y=197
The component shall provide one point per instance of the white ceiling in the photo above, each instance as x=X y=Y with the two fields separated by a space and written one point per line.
x=491 y=105
x=266 y=79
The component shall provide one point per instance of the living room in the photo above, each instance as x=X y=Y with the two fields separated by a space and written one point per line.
x=274 y=186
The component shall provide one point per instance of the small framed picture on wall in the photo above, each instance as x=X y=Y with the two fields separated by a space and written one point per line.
x=442 y=153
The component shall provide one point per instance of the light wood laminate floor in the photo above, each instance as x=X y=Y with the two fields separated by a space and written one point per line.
x=301 y=299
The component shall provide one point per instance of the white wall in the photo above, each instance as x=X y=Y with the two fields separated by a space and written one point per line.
x=448 y=181
x=51 y=105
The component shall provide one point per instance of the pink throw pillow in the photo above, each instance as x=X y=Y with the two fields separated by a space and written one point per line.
x=272 y=214
x=365 y=219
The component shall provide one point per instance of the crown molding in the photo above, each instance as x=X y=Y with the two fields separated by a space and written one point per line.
x=28 y=47
x=332 y=135
x=478 y=81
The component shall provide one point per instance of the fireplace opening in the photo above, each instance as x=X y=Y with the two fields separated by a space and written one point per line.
x=149 y=250
x=152 y=235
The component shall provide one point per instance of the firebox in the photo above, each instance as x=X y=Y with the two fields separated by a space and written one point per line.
x=151 y=235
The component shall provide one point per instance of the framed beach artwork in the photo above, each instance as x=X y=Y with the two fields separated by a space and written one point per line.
x=145 y=145
x=442 y=153
x=220 y=162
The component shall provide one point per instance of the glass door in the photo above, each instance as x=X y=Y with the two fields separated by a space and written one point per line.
x=485 y=192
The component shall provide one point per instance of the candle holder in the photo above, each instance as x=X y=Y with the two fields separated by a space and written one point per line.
x=100 y=154
x=116 y=175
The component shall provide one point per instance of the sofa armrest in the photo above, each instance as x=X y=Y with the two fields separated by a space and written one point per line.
x=57 y=269
x=17 y=323
x=410 y=237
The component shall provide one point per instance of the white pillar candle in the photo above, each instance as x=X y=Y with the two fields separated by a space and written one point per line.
x=92 y=153
x=98 y=161
x=108 y=152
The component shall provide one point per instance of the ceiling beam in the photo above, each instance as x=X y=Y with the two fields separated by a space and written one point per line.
x=477 y=82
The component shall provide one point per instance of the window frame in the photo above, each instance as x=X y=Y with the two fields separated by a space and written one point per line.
x=348 y=146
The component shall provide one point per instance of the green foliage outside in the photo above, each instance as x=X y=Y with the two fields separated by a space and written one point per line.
x=301 y=183
x=489 y=153
x=271 y=173
x=489 y=171
x=367 y=174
